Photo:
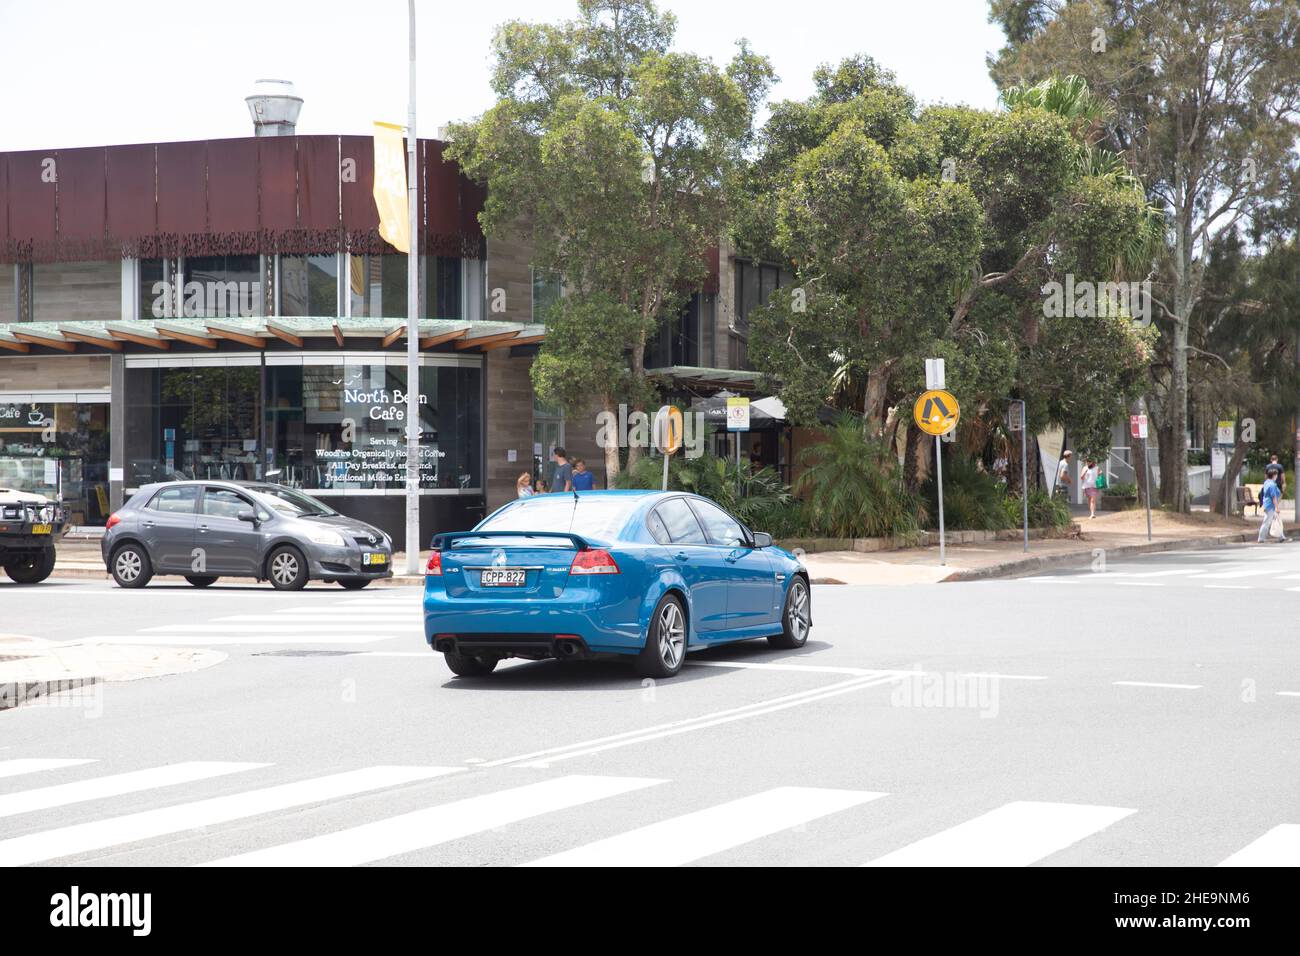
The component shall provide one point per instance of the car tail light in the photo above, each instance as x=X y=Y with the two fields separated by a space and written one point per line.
x=595 y=561
x=112 y=520
x=435 y=563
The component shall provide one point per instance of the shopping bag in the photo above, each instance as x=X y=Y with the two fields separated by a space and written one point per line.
x=1101 y=479
x=1275 y=530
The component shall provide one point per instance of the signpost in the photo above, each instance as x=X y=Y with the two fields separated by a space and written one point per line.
x=738 y=422
x=936 y=413
x=667 y=434
x=1016 y=421
x=1137 y=425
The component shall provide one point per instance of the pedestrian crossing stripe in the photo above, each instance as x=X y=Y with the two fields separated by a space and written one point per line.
x=1020 y=833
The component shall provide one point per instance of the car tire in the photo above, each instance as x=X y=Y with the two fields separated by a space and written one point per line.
x=31 y=570
x=665 y=642
x=286 y=569
x=469 y=665
x=130 y=566
x=201 y=580
x=796 y=619
x=354 y=584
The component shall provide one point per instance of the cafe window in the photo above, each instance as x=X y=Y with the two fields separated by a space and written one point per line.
x=309 y=285
x=192 y=422
x=59 y=450
x=376 y=286
x=342 y=427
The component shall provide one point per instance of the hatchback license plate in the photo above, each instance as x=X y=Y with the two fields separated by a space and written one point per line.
x=503 y=577
x=40 y=529
x=374 y=558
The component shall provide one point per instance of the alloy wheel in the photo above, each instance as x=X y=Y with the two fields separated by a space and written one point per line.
x=800 y=616
x=672 y=635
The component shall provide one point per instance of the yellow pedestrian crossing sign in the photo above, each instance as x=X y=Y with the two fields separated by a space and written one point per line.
x=936 y=412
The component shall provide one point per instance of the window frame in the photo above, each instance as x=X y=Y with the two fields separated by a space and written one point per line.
x=152 y=505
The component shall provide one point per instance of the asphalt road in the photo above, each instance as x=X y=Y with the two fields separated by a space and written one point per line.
x=1135 y=713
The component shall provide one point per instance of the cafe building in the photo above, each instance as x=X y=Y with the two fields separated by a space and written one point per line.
x=227 y=309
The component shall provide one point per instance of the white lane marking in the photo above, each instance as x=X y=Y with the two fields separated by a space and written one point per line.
x=1166 y=572
x=1230 y=587
x=1006 y=676
x=1280 y=846
x=266 y=626
x=1016 y=834
x=810 y=668
x=694 y=836
x=543 y=758
x=1235 y=573
x=21 y=765
x=1291 y=589
x=317 y=619
x=1139 y=584
x=148 y=824
x=432 y=826
x=1288 y=693
x=347 y=611
x=1052 y=580
x=60 y=795
x=1143 y=683
x=220 y=640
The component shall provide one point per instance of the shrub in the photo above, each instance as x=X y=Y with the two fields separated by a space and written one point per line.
x=1123 y=489
x=758 y=498
x=972 y=499
x=851 y=486
x=1044 y=510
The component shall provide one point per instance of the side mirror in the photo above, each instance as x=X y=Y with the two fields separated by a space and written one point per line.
x=762 y=539
x=249 y=516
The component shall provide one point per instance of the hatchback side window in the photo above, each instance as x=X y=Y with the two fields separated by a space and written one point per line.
x=658 y=530
x=680 y=522
x=220 y=503
x=721 y=528
x=176 y=500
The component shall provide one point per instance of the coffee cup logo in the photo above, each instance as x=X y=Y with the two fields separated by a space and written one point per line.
x=35 y=416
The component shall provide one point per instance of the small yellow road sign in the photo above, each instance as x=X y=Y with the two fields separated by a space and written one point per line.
x=936 y=412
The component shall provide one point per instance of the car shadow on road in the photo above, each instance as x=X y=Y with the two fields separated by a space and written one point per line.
x=553 y=675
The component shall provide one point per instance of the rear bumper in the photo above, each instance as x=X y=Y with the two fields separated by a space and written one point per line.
x=524 y=628
x=532 y=646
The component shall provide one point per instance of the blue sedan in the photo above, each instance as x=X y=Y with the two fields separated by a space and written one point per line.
x=645 y=575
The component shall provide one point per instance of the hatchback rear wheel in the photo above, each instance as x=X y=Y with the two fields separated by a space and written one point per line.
x=130 y=566
x=665 y=643
x=201 y=580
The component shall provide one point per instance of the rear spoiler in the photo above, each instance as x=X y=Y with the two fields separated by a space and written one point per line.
x=442 y=542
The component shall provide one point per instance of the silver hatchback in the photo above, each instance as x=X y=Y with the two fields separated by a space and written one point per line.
x=205 y=530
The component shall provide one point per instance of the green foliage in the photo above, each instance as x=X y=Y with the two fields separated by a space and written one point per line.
x=852 y=488
x=758 y=498
x=611 y=152
x=1045 y=511
x=972 y=499
x=1122 y=489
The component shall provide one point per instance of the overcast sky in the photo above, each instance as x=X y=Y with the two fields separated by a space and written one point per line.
x=95 y=72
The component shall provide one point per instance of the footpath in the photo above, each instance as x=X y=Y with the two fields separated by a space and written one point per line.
x=1118 y=533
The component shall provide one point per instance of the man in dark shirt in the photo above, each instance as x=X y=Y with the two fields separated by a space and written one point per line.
x=562 y=480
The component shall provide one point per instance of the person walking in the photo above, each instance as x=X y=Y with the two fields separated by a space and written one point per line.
x=582 y=479
x=524 y=486
x=1269 y=496
x=562 y=480
x=1063 y=474
x=1281 y=473
x=1088 y=479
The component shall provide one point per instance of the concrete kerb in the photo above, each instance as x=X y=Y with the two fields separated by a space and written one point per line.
x=1033 y=563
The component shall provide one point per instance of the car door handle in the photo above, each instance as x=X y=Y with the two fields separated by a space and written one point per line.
x=734 y=557
x=148 y=524
x=682 y=556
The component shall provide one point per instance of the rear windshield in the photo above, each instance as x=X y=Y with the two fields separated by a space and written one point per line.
x=590 y=517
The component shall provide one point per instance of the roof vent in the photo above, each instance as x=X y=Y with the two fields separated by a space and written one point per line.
x=274 y=107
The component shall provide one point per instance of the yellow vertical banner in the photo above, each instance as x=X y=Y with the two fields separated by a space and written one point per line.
x=390 y=186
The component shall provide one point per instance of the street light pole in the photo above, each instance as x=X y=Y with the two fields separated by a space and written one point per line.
x=412 y=328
